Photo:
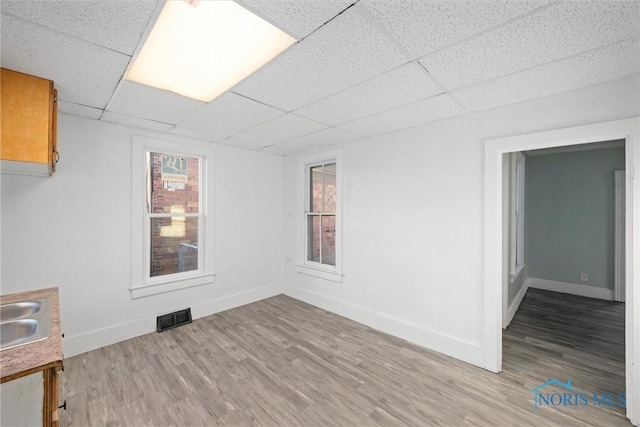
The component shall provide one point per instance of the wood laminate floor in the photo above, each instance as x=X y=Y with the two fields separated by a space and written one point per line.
x=282 y=362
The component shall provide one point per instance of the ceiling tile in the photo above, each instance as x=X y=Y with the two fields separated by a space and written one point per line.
x=122 y=119
x=195 y=134
x=346 y=51
x=117 y=25
x=427 y=110
x=298 y=18
x=230 y=114
x=556 y=32
x=402 y=85
x=589 y=68
x=134 y=99
x=323 y=138
x=78 y=110
x=426 y=26
x=280 y=129
x=83 y=72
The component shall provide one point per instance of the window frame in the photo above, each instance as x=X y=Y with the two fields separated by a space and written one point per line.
x=517 y=213
x=142 y=283
x=320 y=214
x=303 y=265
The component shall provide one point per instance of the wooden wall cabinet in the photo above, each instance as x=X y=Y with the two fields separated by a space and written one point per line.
x=28 y=129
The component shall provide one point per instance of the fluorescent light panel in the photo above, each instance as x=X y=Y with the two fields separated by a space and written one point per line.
x=200 y=49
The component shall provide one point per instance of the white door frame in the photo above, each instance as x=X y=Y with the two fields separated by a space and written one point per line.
x=627 y=129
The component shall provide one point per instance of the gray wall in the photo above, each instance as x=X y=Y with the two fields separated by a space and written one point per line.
x=569 y=215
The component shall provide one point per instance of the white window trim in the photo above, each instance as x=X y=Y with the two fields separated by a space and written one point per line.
x=303 y=266
x=141 y=284
x=517 y=190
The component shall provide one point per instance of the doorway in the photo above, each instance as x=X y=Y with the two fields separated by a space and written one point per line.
x=629 y=131
x=575 y=222
x=567 y=325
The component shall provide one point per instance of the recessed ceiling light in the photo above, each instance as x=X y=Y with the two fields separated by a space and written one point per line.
x=200 y=49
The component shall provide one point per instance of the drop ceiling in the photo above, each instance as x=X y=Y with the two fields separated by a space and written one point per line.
x=360 y=68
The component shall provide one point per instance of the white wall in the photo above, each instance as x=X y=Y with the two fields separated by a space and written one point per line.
x=413 y=219
x=73 y=231
x=413 y=227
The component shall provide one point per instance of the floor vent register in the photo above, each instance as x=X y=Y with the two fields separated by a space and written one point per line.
x=173 y=320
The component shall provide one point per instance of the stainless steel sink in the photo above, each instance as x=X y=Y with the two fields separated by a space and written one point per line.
x=24 y=322
x=17 y=310
x=16 y=331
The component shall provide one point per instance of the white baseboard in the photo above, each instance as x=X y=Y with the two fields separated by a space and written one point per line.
x=462 y=350
x=513 y=307
x=571 y=288
x=78 y=344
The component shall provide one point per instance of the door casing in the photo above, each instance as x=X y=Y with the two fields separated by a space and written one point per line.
x=629 y=131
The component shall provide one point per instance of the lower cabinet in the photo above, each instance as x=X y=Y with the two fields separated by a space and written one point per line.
x=31 y=400
x=22 y=401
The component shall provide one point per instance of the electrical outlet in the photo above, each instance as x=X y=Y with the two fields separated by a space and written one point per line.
x=584 y=277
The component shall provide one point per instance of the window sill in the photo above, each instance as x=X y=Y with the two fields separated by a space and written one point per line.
x=170 y=285
x=321 y=273
x=516 y=272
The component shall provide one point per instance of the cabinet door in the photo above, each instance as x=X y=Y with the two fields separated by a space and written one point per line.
x=27 y=113
x=21 y=401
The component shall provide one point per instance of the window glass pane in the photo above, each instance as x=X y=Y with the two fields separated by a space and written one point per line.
x=172 y=183
x=329 y=239
x=174 y=245
x=313 y=238
x=316 y=183
x=330 y=188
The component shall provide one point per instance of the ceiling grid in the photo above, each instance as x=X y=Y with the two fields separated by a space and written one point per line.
x=359 y=69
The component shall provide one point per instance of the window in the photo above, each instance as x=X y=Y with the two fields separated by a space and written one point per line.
x=172 y=228
x=172 y=213
x=517 y=213
x=321 y=216
x=320 y=233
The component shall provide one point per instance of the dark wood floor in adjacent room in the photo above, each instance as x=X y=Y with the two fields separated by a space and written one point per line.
x=283 y=362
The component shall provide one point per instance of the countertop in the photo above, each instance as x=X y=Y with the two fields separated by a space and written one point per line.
x=37 y=356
